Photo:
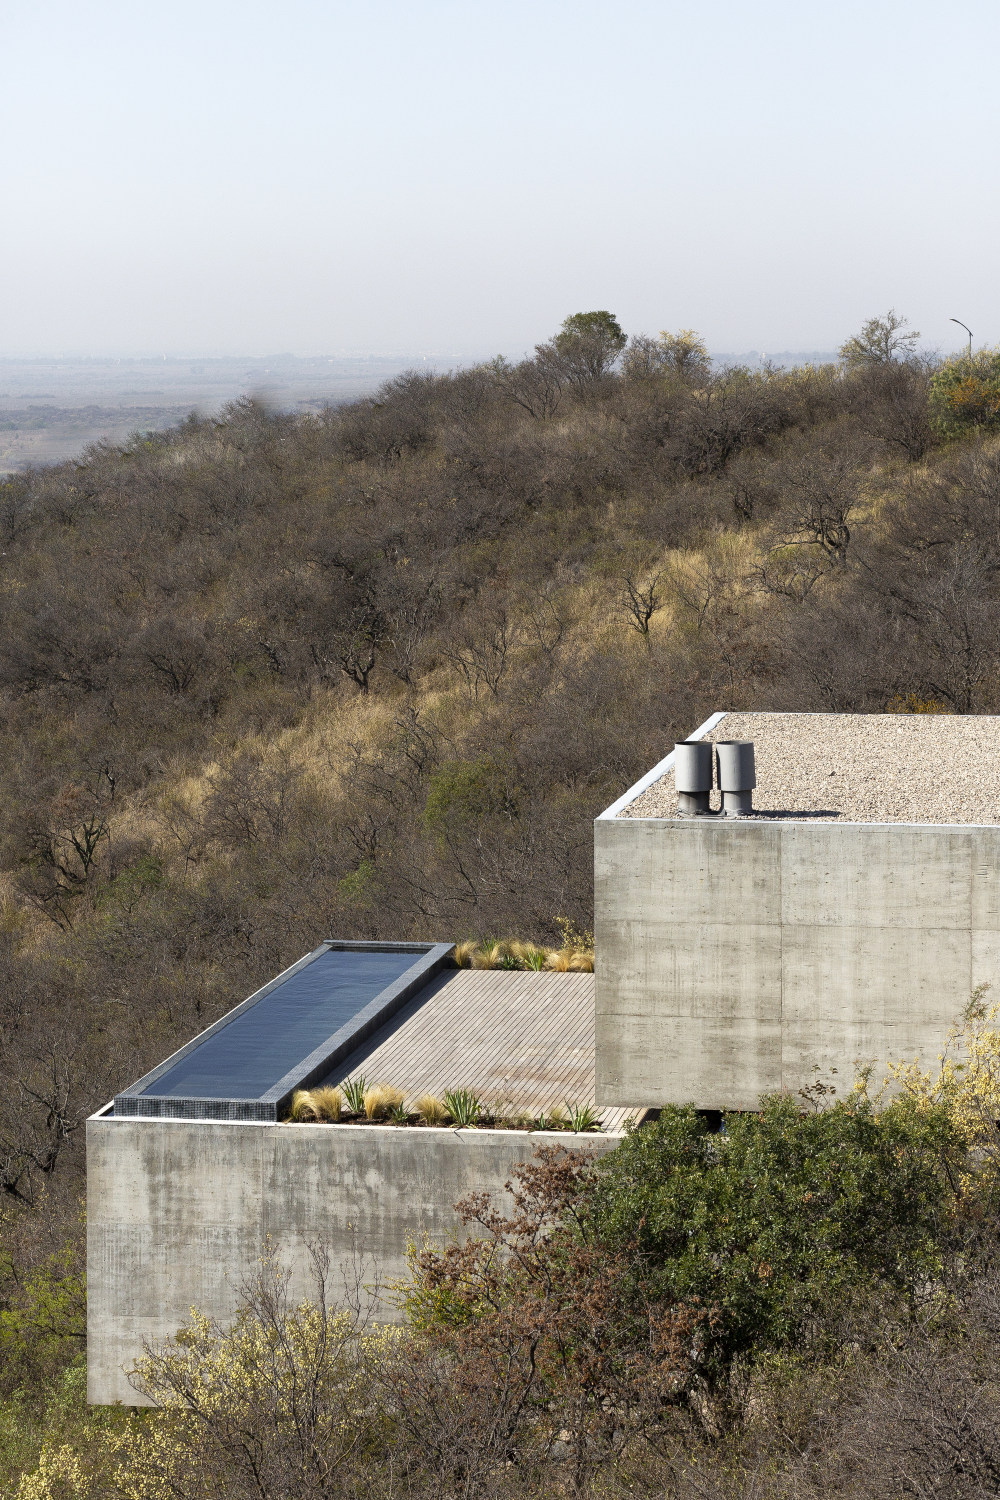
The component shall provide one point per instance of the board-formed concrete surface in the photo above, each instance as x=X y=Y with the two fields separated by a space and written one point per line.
x=847 y=922
x=739 y=957
x=180 y=1212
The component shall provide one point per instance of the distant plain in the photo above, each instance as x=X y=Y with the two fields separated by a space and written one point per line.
x=51 y=409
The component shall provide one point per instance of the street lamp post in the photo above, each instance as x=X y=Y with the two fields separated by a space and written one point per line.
x=967 y=329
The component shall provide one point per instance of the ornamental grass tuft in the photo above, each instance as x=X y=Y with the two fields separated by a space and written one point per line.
x=431 y=1109
x=382 y=1099
x=303 y=1107
x=328 y=1103
x=464 y=1107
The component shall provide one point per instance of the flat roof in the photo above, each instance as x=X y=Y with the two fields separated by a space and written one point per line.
x=287 y=1034
x=852 y=768
x=522 y=1038
x=398 y=1013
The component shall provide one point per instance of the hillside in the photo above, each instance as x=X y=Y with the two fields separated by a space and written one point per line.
x=372 y=672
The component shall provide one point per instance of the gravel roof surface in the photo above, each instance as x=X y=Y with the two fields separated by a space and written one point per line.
x=860 y=768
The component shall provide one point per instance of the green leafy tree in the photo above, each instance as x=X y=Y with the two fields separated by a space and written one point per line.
x=882 y=341
x=965 y=393
x=777 y=1222
x=587 y=347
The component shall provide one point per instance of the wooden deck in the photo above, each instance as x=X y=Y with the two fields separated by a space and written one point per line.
x=521 y=1040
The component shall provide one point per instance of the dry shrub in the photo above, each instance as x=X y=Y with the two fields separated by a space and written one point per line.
x=923 y=1420
x=966 y=1080
x=505 y=1114
x=283 y=1403
x=529 y=1346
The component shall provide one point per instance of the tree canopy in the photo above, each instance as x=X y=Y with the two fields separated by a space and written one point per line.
x=880 y=342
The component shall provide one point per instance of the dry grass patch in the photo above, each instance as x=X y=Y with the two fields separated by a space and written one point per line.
x=311 y=1106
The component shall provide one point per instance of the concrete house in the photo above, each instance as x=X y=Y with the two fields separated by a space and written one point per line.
x=191 y=1172
x=763 y=917
x=847 y=918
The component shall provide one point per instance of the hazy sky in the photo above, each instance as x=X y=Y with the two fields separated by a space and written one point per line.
x=325 y=176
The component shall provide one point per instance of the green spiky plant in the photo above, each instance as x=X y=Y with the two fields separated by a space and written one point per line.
x=464 y=1107
x=583 y=1117
x=354 y=1090
x=533 y=958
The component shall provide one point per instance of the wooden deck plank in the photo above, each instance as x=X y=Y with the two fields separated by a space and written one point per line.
x=527 y=1038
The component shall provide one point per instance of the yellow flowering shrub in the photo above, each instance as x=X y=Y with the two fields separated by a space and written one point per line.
x=59 y=1476
x=965 y=1081
x=277 y=1403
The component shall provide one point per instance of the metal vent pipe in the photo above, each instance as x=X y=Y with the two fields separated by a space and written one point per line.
x=737 y=776
x=693 y=777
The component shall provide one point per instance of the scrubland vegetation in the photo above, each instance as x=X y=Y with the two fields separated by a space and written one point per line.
x=806 y=1304
x=371 y=673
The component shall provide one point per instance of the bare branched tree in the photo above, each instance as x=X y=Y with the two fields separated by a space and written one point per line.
x=536 y=385
x=480 y=647
x=639 y=601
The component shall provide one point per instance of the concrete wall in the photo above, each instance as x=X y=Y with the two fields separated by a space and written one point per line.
x=179 y=1212
x=734 y=957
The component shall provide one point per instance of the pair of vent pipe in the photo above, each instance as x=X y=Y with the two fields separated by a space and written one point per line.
x=737 y=777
